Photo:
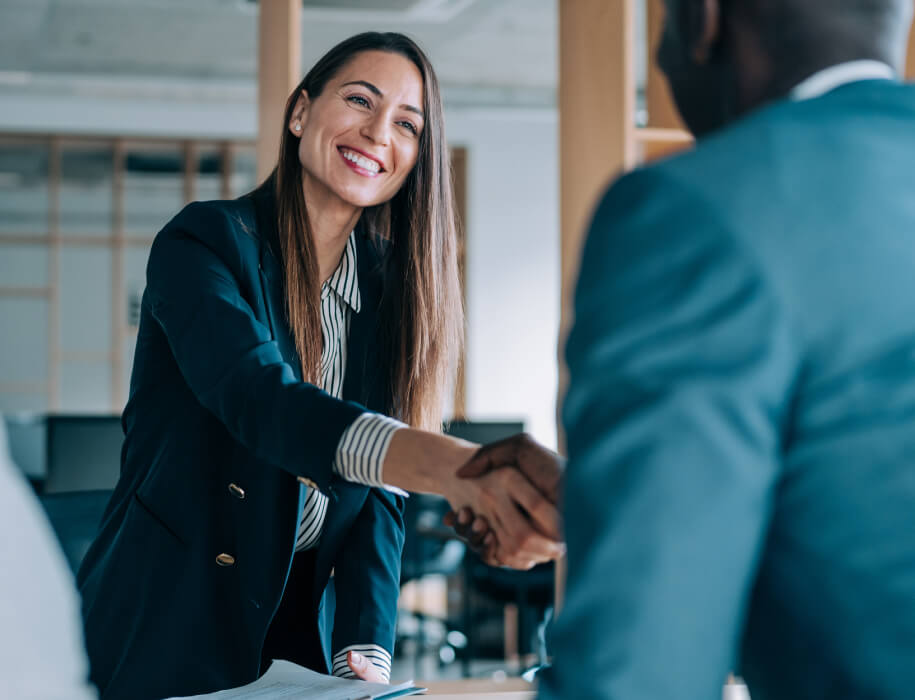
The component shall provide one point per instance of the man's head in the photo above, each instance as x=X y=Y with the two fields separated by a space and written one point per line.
x=725 y=57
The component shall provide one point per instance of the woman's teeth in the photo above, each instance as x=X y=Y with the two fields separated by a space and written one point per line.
x=363 y=162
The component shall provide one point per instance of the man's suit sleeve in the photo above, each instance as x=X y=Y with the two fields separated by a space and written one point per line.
x=368 y=582
x=228 y=357
x=680 y=362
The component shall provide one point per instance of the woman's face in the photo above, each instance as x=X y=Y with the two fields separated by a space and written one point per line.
x=359 y=139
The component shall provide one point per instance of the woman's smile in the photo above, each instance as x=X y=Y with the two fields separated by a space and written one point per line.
x=360 y=162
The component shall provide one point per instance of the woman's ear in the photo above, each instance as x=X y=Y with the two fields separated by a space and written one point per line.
x=703 y=28
x=299 y=113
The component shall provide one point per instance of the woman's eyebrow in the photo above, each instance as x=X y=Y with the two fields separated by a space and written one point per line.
x=374 y=89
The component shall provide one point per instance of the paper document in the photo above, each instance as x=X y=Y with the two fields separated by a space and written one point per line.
x=288 y=680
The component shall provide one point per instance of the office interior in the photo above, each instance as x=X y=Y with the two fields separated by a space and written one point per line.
x=115 y=113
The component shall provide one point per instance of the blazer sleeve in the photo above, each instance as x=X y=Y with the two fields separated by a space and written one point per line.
x=680 y=362
x=228 y=357
x=367 y=577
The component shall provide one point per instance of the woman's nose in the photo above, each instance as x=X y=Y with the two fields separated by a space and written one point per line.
x=377 y=130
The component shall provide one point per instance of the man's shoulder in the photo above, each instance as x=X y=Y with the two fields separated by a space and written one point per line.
x=786 y=136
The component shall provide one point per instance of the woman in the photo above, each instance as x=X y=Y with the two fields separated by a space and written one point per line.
x=276 y=332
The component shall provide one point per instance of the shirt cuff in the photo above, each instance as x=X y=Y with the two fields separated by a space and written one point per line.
x=362 y=449
x=376 y=655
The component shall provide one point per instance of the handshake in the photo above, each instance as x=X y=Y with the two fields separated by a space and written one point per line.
x=508 y=510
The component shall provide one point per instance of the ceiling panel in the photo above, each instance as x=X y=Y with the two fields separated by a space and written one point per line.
x=490 y=43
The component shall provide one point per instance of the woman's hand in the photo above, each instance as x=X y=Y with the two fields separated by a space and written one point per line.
x=364 y=669
x=475 y=531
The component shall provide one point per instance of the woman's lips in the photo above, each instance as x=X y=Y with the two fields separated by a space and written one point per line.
x=359 y=162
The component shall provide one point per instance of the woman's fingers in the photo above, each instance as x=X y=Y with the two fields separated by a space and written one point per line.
x=363 y=668
x=469 y=526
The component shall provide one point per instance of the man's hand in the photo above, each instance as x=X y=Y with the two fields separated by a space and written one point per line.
x=364 y=669
x=543 y=468
x=526 y=528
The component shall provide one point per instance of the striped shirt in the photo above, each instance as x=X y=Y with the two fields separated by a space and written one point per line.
x=363 y=445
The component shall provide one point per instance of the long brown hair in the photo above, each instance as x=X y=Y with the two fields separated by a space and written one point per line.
x=421 y=329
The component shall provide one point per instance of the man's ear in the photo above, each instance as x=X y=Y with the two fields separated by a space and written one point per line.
x=703 y=28
x=299 y=113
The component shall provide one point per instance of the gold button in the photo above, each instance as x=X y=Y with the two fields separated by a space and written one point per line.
x=308 y=482
x=225 y=560
x=236 y=491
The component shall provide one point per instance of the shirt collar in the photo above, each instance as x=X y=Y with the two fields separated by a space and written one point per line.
x=345 y=280
x=840 y=74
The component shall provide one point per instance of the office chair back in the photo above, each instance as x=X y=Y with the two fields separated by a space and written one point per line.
x=83 y=453
x=75 y=517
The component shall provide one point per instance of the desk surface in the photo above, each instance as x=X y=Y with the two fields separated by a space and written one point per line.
x=509 y=689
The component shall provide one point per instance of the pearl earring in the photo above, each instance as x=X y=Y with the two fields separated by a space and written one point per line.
x=298 y=127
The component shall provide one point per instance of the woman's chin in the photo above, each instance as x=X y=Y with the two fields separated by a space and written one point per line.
x=362 y=200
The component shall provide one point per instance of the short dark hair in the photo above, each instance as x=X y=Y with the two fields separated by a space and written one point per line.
x=795 y=29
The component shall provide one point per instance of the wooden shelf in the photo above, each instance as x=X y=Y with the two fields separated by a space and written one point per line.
x=24 y=387
x=667 y=136
x=26 y=292
x=654 y=143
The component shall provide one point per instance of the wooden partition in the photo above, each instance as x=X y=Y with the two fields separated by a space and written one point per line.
x=910 y=59
x=279 y=56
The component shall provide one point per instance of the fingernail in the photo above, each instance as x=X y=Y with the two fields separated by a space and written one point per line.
x=463 y=517
x=357 y=657
x=478 y=526
x=489 y=539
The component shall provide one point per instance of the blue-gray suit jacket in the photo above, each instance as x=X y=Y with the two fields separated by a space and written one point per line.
x=741 y=415
x=216 y=399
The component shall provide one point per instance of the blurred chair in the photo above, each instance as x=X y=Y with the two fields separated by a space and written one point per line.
x=429 y=549
x=83 y=462
x=75 y=517
x=26 y=443
x=483 y=432
x=83 y=453
x=531 y=591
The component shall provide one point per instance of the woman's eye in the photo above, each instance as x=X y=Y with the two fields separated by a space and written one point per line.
x=409 y=126
x=359 y=100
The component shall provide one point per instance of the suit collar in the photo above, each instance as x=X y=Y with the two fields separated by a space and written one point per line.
x=840 y=74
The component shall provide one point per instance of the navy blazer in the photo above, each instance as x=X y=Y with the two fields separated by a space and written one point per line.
x=217 y=399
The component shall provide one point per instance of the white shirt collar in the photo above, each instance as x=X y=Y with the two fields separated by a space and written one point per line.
x=345 y=280
x=841 y=74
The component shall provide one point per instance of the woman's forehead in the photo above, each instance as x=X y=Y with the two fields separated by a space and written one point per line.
x=393 y=74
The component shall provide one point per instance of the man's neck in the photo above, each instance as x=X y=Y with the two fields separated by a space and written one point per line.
x=812 y=78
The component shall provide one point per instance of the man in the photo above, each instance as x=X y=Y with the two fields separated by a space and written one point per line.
x=741 y=414
x=41 y=638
